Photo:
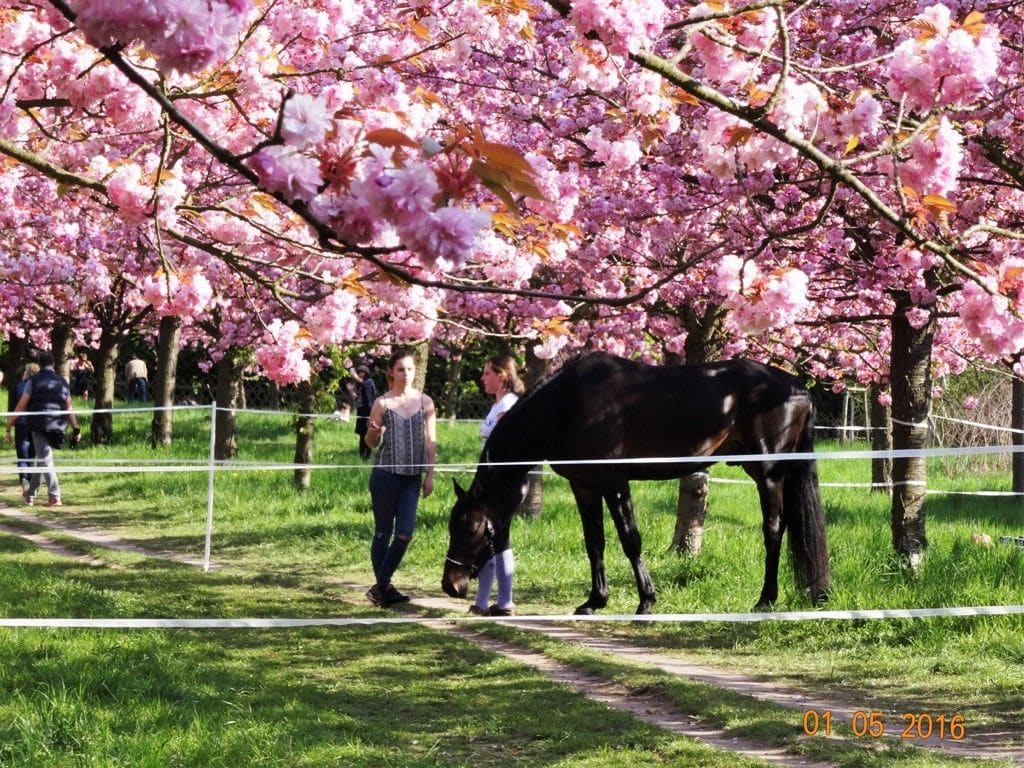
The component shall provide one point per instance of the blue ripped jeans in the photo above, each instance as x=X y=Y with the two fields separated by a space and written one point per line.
x=394 y=498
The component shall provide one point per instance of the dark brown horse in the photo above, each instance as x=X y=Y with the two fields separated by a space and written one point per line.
x=598 y=410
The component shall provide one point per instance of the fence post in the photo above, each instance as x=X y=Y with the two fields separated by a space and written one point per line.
x=209 y=487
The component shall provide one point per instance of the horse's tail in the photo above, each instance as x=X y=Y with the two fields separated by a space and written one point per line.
x=805 y=521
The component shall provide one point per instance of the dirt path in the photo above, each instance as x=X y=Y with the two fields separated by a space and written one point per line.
x=644 y=706
x=992 y=745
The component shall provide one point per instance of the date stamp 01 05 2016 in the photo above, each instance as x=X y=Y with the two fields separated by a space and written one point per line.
x=872 y=724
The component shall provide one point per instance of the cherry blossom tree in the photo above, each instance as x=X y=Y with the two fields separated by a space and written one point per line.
x=832 y=184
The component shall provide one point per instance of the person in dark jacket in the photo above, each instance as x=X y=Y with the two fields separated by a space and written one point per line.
x=47 y=401
x=22 y=436
x=367 y=393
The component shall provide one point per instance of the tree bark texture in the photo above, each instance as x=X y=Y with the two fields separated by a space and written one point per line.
x=453 y=386
x=691 y=509
x=305 y=426
x=18 y=356
x=62 y=344
x=703 y=344
x=164 y=380
x=535 y=370
x=881 y=440
x=421 y=356
x=1017 y=423
x=228 y=371
x=910 y=377
x=101 y=431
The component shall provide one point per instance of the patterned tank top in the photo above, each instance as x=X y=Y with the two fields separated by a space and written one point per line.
x=402 y=449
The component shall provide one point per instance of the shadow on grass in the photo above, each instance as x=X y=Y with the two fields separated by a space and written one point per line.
x=363 y=695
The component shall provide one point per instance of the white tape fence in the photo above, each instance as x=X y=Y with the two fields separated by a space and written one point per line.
x=208 y=464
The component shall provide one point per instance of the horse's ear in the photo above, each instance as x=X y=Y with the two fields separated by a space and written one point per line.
x=476 y=490
x=459 y=492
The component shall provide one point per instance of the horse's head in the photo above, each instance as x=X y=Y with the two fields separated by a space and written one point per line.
x=470 y=539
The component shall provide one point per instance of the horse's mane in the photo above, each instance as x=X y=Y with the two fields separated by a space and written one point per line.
x=548 y=377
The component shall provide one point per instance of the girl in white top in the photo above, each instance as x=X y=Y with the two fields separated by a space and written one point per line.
x=501 y=381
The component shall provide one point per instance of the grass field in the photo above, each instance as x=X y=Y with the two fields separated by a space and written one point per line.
x=412 y=696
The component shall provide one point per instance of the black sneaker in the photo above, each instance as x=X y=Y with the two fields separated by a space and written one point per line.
x=394 y=596
x=476 y=610
x=374 y=595
x=494 y=610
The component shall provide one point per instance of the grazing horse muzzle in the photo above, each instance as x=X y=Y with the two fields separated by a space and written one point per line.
x=458 y=573
x=455 y=581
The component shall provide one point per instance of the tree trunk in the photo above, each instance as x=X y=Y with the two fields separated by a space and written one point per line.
x=533 y=504
x=910 y=375
x=228 y=395
x=17 y=358
x=62 y=344
x=694 y=488
x=164 y=380
x=101 y=431
x=1017 y=423
x=305 y=425
x=421 y=356
x=881 y=440
x=452 y=386
x=691 y=508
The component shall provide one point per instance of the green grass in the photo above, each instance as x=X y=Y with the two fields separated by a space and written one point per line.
x=411 y=696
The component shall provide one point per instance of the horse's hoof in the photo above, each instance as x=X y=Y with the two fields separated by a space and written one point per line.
x=763 y=606
x=584 y=610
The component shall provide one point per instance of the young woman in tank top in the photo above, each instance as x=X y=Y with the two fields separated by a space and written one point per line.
x=403 y=429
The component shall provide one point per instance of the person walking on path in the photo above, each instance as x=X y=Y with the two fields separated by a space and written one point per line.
x=366 y=394
x=501 y=381
x=22 y=436
x=403 y=427
x=47 y=399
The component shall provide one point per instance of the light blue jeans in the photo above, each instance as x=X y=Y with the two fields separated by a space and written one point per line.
x=394 y=498
x=44 y=459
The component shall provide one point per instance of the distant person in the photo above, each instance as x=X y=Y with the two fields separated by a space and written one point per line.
x=47 y=398
x=403 y=426
x=82 y=373
x=22 y=436
x=344 y=398
x=501 y=381
x=136 y=376
x=365 y=395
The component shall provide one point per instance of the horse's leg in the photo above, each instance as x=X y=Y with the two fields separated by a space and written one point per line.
x=588 y=502
x=620 y=504
x=770 y=492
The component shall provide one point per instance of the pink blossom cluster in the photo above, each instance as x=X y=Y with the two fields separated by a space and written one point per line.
x=942 y=63
x=333 y=320
x=187 y=293
x=714 y=43
x=382 y=194
x=138 y=196
x=991 y=317
x=644 y=187
x=281 y=353
x=625 y=26
x=618 y=155
x=732 y=148
x=758 y=300
x=183 y=35
x=934 y=160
